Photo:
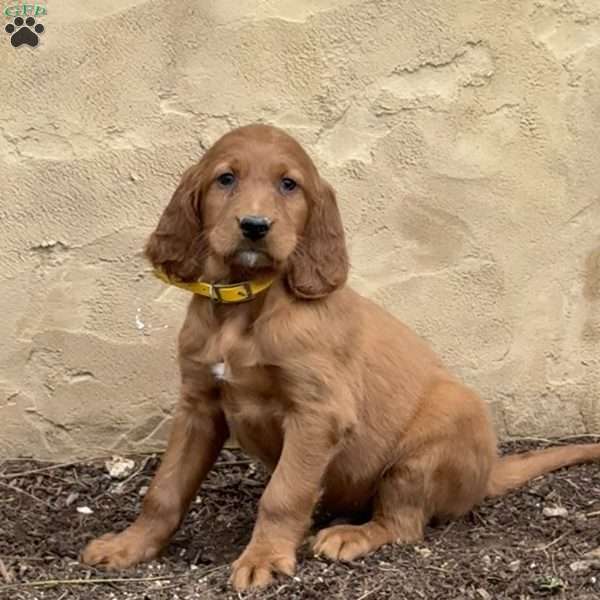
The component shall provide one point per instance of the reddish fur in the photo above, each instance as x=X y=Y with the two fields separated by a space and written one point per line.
x=337 y=397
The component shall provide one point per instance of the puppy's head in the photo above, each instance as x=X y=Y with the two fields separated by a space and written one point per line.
x=254 y=204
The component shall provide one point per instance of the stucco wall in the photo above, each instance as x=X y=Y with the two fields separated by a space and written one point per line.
x=463 y=138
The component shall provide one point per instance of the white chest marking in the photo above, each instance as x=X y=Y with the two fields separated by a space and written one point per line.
x=218 y=371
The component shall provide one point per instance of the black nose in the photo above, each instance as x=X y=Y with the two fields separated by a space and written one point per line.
x=254 y=228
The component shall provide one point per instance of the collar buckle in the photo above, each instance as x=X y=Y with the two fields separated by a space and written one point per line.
x=217 y=296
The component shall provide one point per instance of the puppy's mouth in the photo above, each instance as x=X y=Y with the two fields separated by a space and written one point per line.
x=251 y=258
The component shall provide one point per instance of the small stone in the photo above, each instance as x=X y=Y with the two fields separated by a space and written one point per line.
x=84 y=510
x=585 y=565
x=487 y=561
x=595 y=553
x=555 y=511
x=71 y=498
x=581 y=522
x=514 y=565
x=227 y=455
x=424 y=552
x=580 y=566
x=119 y=467
x=143 y=490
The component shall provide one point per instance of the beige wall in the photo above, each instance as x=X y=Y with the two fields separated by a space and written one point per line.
x=463 y=138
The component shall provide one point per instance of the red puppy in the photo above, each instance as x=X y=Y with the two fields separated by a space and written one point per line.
x=339 y=399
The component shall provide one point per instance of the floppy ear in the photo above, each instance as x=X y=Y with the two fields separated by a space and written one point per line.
x=178 y=245
x=319 y=265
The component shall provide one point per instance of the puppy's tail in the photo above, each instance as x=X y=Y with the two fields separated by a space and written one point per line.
x=510 y=472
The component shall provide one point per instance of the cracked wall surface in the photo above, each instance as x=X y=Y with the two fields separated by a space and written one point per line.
x=463 y=139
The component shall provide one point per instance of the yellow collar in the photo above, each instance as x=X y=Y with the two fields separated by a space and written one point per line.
x=225 y=293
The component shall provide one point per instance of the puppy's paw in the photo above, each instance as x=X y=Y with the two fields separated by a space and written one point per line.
x=257 y=565
x=119 y=551
x=342 y=542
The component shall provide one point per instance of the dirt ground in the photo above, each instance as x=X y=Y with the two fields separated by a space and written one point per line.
x=507 y=548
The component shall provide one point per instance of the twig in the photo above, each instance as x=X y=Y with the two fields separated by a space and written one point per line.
x=375 y=589
x=145 y=462
x=232 y=463
x=555 y=541
x=96 y=581
x=572 y=484
x=16 y=489
x=391 y=570
x=477 y=516
x=565 y=438
x=27 y=459
x=4 y=572
x=433 y=568
x=449 y=527
x=44 y=469
x=277 y=592
x=34 y=558
x=83 y=461
x=595 y=513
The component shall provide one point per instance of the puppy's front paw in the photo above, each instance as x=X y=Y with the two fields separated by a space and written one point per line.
x=257 y=565
x=119 y=551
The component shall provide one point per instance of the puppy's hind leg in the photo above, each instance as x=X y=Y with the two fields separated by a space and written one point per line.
x=399 y=515
x=449 y=452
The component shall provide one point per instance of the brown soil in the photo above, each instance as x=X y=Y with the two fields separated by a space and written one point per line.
x=506 y=548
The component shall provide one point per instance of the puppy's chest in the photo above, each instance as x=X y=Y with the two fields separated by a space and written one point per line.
x=241 y=373
x=249 y=396
x=231 y=376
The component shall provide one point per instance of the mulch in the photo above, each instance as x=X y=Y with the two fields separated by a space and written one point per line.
x=506 y=548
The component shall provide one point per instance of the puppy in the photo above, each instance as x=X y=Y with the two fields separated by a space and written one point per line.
x=341 y=401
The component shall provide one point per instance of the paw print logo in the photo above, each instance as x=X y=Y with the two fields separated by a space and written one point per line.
x=24 y=32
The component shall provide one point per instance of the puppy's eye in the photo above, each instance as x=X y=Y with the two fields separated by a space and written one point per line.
x=287 y=185
x=226 y=179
